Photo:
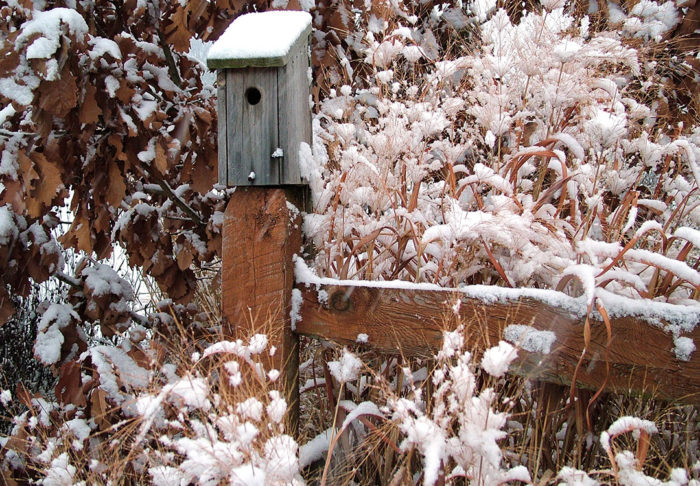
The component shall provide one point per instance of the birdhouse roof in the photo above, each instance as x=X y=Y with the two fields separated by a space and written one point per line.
x=260 y=40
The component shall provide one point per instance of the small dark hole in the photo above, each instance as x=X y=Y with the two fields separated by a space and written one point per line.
x=253 y=95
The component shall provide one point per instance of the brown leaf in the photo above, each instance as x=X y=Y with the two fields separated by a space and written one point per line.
x=47 y=188
x=9 y=59
x=26 y=167
x=78 y=235
x=203 y=175
x=116 y=189
x=161 y=160
x=60 y=96
x=99 y=409
x=184 y=257
x=69 y=387
x=125 y=92
x=14 y=194
x=89 y=111
x=176 y=32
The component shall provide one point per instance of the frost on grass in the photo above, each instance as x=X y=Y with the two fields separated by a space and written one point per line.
x=463 y=427
x=496 y=360
x=346 y=368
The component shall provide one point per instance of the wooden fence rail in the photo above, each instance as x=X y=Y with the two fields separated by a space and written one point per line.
x=640 y=356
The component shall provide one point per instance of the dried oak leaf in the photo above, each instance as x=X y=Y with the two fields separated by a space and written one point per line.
x=161 y=160
x=116 y=188
x=69 y=387
x=184 y=253
x=26 y=167
x=99 y=409
x=176 y=33
x=204 y=173
x=48 y=186
x=78 y=235
x=89 y=111
x=60 y=96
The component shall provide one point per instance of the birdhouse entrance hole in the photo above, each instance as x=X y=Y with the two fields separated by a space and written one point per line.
x=253 y=96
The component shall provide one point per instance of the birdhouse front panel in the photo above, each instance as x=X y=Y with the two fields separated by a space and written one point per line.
x=252 y=127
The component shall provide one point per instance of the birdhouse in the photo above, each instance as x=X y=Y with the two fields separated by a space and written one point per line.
x=262 y=62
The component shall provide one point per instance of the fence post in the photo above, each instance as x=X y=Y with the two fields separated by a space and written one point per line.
x=264 y=115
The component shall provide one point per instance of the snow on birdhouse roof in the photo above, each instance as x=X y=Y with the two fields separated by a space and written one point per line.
x=259 y=40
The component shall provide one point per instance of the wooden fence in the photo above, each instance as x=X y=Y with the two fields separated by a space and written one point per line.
x=262 y=233
x=263 y=118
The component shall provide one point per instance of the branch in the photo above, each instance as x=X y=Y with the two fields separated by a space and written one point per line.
x=180 y=203
x=67 y=279
x=172 y=67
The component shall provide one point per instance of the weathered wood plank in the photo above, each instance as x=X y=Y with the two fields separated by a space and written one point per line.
x=221 y=127
x=411 y=322
x=294 y=112
x=259 y=238
x=252 y=135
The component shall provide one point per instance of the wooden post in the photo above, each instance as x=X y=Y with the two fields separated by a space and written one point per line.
x=264 y=116
x=260 y=236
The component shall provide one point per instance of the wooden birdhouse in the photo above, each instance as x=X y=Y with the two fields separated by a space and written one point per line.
x=262 y=62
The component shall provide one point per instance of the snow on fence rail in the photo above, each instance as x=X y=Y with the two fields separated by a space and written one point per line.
x=263 y=119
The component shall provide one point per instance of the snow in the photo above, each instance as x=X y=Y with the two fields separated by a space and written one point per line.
x=653 y=312
x=7 y=113
x=362 y=338
x=604 y=128
x=8 y=229
x=49 y=339
x=60 y=472
x=347 y=368
x=277 y=407
x=257 y=344
x=101 y=46
x=251 y=408
x=102 y=280
x=683 y=347
x=529 y=338
x=282 y=464
x=260 y=35
x=496 y=360
x=295 y=312
x=80 y=429
x=364 y=408
x=116 y=369
x=5 y=398
x=575 y=477
x=315 y=449
x=278 y=153
x=48 y=24
x=191 y=391
x=626 y=424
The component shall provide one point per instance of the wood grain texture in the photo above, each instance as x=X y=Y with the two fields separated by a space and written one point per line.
x=259 y=238
x=221 y=127
x=294 y=112
x=251 y=129
x=411 y=322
